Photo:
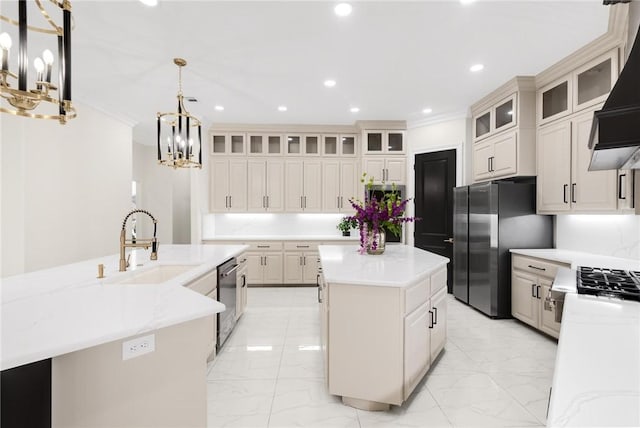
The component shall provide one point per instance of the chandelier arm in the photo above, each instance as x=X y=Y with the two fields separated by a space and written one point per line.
x=58 y=30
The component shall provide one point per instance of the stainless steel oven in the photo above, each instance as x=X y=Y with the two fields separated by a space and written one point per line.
x=379 y=191
x=226 y=296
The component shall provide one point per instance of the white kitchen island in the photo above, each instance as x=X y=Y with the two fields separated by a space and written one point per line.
x=383 y=321
x=80 y=327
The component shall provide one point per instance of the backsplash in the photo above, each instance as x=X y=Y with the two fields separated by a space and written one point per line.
x=263 y=224
x=607 y=235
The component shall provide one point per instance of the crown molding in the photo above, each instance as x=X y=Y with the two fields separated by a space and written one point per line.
x=433 y=120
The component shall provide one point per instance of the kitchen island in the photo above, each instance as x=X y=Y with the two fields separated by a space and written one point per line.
x=383 y=321
x=81 y=327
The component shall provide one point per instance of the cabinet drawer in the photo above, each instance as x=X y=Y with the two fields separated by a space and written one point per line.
x=438 y=280
x=265 y=246
x=242 y=260
x=416 y=295
x=205 y=284
x=301 y=246
x=536 y=266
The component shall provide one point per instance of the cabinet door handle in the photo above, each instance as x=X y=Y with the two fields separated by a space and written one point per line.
x=492 y=158
x=533 y=291
x=305 y=201
x=264 y=204
x=301 y=202
x=265 y=260
x=230 y=205
x=300 y=261
x=564 y=193
x=538 y=292
x=621 y=194
x=431 y=319
x=537 y=268
x=489 y=164
x=304 y=260
x=267 y=201
x=338 y=201
x=435 y=312
x=573 y=192
x=341 y=202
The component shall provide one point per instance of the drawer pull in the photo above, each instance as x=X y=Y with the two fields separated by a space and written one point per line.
x=302 y=246
x=537 y=268
x=264 y=246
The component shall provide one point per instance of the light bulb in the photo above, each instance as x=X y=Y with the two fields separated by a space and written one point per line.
x=38 y=64
x=5 y=41
x=47 y=56
x=178 y=138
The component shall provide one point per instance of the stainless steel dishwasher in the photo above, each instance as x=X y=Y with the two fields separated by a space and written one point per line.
x=226 y=296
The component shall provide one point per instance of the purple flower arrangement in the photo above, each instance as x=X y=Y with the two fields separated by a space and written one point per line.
x=373 y=216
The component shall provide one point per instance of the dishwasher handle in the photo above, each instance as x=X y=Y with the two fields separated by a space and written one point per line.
x=230 y=271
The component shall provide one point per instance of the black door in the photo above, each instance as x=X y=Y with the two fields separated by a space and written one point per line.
x=435 y=180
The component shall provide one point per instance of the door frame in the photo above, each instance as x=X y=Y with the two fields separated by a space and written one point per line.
x=411 y=177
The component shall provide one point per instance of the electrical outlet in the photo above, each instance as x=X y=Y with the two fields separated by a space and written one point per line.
x=139 y=346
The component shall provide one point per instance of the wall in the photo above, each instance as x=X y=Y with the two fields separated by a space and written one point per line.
x=446 y=135
x=608 y=235
x=65 y=189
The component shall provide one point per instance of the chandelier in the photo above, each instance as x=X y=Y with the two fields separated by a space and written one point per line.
x=176 y=133
x=38 y=99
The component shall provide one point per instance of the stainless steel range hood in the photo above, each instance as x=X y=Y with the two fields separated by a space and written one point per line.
x=615 y=133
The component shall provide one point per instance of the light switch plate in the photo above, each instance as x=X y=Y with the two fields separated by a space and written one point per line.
x=139 y=346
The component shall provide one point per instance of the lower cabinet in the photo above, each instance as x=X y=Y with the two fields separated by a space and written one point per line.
x=531 y=281
x=264 y=268
x=365 y=327
x=241 y=284
x=300 y=268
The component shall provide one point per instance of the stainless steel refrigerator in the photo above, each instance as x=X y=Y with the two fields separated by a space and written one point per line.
x=489 y=220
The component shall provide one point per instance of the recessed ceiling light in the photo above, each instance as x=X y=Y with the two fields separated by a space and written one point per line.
x=354 y=109
x=343 y=9
x=476 y=67
x=219 y=108
x=427 y=111
x=467 y=1
x=149 y=2
x=329 y=83
x=282 y=108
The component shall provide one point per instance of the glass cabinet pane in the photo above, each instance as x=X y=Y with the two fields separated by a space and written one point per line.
x=555 y=100
x=274 y=144
x=330 y=145
x=312 y=144
x=483 y=124
x=374 y=141
x=594 y=82
x=293 y=145
x=219 y=143
x=348 y=145
x=237 y=144
x=255 y=144
x=395 y=142
x=504 y=114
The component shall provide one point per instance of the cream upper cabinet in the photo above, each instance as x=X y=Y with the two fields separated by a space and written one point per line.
x=232 y=143
x=339 y=185
x=390 y=142
x=564 y=182
x=265 y=185
x=303 y=186
x=265 y=144
x=312 y=145
x=343 y=145
x=503 y=126
x=584 y=87
x=302 y=145
x=385 y=170
x=228 y=185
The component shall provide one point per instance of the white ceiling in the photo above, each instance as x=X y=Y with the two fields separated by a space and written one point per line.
x=389 y=58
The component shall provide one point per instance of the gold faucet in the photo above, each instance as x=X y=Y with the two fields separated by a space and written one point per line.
x=137 y=243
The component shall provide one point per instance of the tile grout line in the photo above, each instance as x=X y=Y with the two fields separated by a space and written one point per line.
x=275 y=388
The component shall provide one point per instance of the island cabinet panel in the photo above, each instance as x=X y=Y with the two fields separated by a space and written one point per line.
x=416 y=347
x=438 y=320
x=96 y=388
x=366 y=343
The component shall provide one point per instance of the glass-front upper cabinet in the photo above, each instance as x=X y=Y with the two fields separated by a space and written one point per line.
x=505 y=114
x=312 y=145
x=265 y=144
x=482 y=125
x=330 y=145
x=294 y=145
x=594 y=80
x=387 y=142
x=228 y=143
x=348 y=145
x=554 y=100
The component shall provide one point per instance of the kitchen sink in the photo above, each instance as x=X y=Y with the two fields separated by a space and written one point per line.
x=155 y=275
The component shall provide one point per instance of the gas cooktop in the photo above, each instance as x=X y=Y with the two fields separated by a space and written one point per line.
x=609 y=282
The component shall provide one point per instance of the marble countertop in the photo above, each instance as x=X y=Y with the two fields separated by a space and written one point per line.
x=596 y=380
x=577 y=258
x=64 y=309
x=353 y=237
x=399 y=266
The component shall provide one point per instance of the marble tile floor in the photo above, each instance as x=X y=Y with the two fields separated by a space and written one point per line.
x=493 y=373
